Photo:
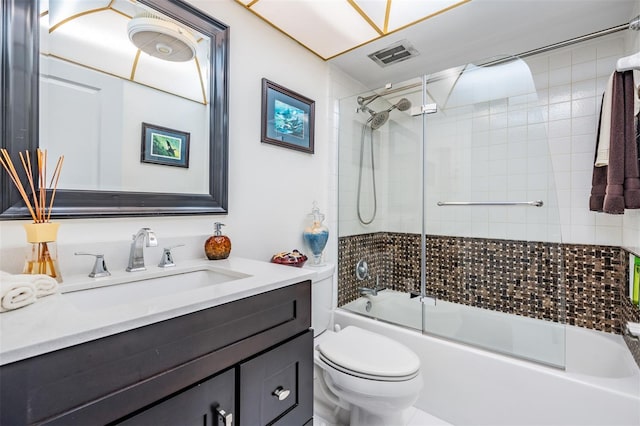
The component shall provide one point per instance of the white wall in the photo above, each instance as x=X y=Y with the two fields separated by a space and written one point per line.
x=100 y=116
x=271 y=189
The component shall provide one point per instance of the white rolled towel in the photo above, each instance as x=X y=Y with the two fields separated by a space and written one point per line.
x=15 y=294
x=44 y=284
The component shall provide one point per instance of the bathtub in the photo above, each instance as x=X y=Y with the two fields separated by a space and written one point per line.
x=523 y=337
x=466 y=385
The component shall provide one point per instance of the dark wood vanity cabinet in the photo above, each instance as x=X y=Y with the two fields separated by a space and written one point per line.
x=247 y=362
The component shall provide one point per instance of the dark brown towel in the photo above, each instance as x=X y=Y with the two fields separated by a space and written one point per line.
x=631 y=166
x=622 y=174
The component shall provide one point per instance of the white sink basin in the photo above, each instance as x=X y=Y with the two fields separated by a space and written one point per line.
x=146 y=288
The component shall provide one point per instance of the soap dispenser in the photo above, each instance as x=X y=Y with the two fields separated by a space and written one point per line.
x=217 y=246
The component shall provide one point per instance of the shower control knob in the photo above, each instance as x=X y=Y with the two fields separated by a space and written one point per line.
x=362 y=270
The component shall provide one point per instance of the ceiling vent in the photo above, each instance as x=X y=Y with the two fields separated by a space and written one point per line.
x=397 y=52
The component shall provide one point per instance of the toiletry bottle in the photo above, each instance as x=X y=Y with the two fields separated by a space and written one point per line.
x=217 y=246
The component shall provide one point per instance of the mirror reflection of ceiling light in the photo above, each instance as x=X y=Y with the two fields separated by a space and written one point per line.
x=162 y=39
x=96 y=34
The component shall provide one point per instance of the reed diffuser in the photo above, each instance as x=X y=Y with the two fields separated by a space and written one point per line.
x=42 y=233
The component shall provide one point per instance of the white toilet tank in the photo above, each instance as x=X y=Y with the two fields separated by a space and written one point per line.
x=321 y=297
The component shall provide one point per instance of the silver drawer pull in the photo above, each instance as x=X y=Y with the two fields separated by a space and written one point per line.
x=224 y=417
x=281 y=393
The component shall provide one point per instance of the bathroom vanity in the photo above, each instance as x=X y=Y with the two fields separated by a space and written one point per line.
x=247 y=361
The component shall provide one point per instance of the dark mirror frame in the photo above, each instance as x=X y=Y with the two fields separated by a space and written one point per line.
x=19 y=72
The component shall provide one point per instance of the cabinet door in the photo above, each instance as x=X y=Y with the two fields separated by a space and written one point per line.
x=276 y=388
x=210 y=403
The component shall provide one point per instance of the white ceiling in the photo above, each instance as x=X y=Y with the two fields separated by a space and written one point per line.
x=331 y=27
x=482 y=29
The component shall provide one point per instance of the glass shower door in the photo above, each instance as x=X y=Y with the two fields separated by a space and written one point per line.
x=380 y=204
x=493 y=254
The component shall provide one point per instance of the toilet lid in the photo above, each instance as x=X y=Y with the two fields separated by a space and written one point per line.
x=363 y=353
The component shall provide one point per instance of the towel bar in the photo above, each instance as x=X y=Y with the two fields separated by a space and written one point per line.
x=537 y=203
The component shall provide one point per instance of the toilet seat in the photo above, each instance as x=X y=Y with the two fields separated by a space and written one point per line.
x=368 y=355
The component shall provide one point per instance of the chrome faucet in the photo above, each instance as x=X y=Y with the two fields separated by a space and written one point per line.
x=366 y=290
x=372 y=291
x=136 y=256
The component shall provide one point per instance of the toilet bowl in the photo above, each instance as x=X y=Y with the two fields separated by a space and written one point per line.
x=360 y=377
x=370 y=376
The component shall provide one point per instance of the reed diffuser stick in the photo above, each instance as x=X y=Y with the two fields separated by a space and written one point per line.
x=8 y=166
x=27 y=168
x=39 y=210
x=56 y=175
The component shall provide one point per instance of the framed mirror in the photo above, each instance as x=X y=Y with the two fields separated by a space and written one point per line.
x=142 y=134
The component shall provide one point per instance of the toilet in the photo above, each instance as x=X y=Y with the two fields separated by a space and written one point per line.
x=360 y=377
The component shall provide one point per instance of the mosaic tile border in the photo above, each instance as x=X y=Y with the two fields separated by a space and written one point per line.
x=585 y=284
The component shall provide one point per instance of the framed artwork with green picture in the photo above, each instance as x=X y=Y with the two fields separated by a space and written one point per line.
x=164 y=146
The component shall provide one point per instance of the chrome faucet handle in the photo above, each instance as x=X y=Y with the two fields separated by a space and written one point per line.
x=167 y=258
x=151 y=239
x=99 y=267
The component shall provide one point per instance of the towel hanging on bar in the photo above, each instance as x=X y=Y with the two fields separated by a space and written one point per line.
x=617 y=186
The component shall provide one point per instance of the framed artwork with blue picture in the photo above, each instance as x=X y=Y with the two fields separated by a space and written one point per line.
x=161 y=145
x=287 y=118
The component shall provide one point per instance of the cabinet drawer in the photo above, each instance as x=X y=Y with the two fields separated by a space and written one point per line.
x=200 y=405
x=276 y=388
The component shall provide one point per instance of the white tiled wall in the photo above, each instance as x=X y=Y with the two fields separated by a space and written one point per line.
x=534 y=144
x=398 y=167
x=491 y=151
x=573 y=81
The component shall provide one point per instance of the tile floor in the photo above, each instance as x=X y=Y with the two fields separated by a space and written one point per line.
x=416 y=418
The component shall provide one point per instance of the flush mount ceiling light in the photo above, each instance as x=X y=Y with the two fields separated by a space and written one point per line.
x=332 y=27
x=162 y=39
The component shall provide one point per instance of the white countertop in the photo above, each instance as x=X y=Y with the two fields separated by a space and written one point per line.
x=53 y=322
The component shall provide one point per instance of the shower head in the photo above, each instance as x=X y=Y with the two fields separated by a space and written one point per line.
x=402 y=105
x=378 y=119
